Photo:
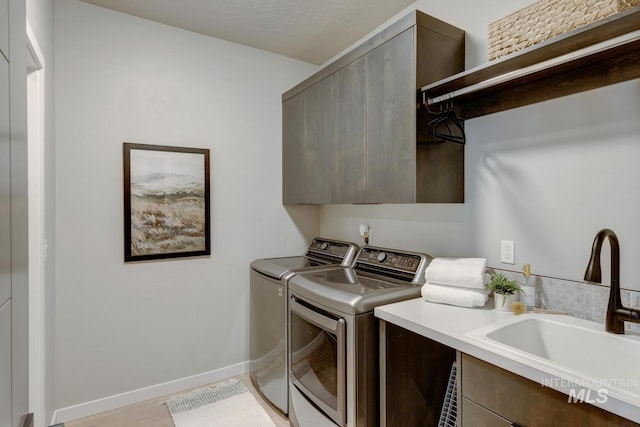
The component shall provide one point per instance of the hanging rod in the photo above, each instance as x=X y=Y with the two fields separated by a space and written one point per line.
x=531 y=69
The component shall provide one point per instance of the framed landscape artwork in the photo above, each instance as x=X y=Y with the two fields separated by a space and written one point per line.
x=166 y=202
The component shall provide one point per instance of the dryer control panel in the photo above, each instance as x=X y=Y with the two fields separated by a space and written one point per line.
x=332 y=251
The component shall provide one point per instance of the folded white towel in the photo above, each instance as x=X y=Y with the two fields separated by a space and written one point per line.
x=463 y=297
x=462 y=272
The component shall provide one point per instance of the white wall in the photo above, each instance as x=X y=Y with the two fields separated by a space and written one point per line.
x=121 y=327
x=547 y=176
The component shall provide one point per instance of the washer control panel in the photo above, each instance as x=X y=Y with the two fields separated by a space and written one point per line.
x=391 y=259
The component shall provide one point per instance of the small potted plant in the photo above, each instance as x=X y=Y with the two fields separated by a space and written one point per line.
x=505 y=291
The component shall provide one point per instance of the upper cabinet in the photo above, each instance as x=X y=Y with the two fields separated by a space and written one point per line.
x=593 y=56
x=351 y=131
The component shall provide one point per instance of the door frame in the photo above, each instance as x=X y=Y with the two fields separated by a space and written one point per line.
x=37 y=242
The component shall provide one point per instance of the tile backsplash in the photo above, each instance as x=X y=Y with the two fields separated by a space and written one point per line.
x=580 y=299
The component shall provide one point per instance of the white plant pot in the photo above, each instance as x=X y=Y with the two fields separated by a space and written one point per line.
x=503 y=301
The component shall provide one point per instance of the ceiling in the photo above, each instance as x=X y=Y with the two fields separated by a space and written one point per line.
x=313 y=31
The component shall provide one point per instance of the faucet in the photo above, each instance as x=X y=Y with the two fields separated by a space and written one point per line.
x=617 y=314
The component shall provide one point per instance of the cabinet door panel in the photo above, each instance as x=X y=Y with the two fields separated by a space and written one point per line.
x=416 y=378
x=308 y=132
x=348 y=183
x=474 y=415
x=526 y=402
x=292 y=149
x=391 y=121
x=321 y=119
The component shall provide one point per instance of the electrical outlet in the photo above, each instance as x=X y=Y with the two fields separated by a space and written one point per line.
x=507 y=252
x=365 y=230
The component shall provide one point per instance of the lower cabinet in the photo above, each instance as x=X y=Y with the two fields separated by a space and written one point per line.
x=492 y=396
x=416 y=387
x=414 y=377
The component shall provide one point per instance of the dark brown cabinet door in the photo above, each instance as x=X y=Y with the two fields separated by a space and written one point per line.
x=374 y=154
x=416 y=376
x=308 y=133
x=478 y=416
x=348 y=178
x=524 y=402
x=391 y=121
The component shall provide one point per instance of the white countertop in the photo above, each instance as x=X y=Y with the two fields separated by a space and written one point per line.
x=449 y=325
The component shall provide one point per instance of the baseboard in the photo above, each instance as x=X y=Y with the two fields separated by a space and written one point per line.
x=136 y=396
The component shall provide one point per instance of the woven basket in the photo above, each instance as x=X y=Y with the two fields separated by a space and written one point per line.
x=545 y=19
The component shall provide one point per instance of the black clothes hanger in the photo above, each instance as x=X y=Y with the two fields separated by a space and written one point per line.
x=446 y=125
x=453 y=133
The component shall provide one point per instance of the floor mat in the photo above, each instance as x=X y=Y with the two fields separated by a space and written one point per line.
x=225 y=404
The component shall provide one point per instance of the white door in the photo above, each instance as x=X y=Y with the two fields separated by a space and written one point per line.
x=14 y=310
x=5 y=244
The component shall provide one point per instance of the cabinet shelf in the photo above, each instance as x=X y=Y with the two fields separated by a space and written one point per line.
x=596 y=55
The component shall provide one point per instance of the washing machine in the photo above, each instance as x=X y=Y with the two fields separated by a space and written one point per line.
x=334 y=335
x=269 y=308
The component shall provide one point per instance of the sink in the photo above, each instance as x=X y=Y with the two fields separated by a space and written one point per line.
x=570 y=348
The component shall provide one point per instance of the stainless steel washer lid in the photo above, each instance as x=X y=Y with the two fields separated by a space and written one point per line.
x=279 y=267
x=324 y=288
x=380 y=276
x=321 y=252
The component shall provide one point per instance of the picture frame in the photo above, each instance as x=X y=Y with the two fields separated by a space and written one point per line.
x=166 y=202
